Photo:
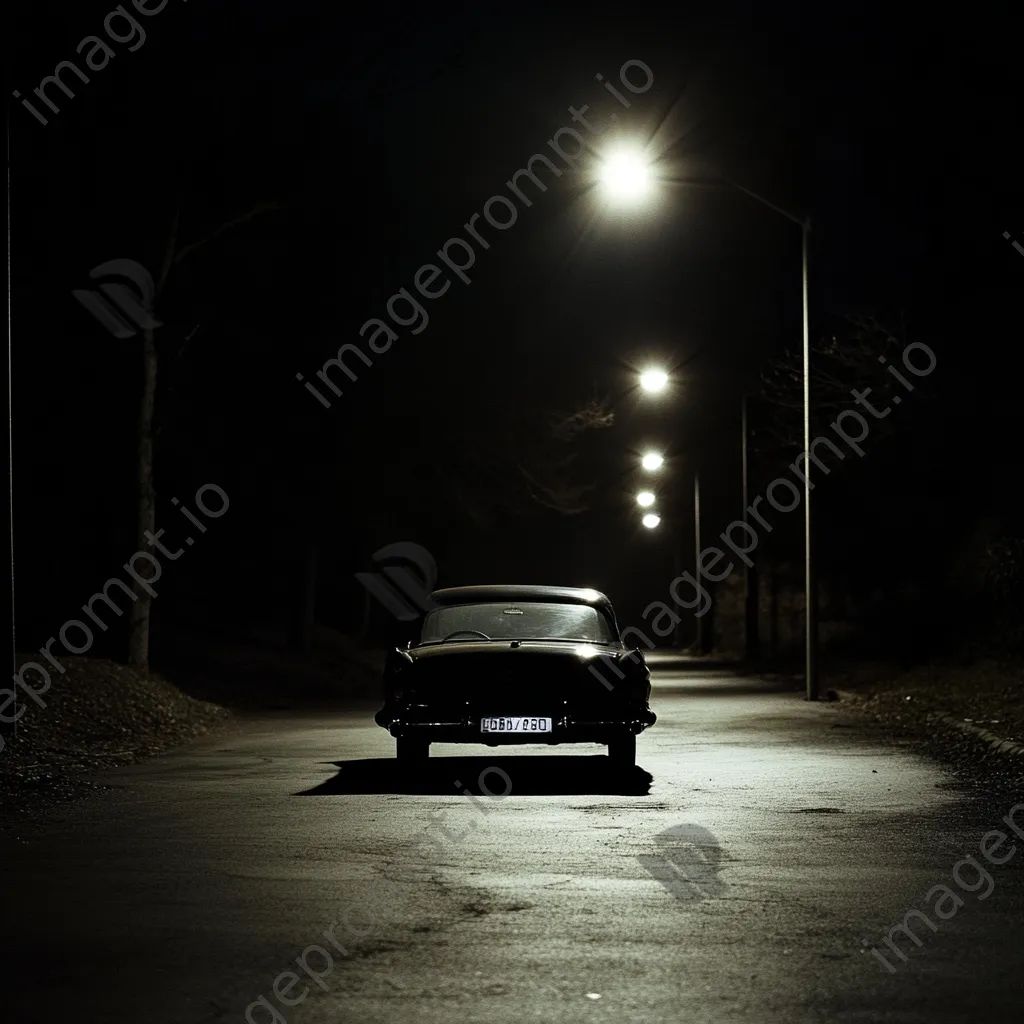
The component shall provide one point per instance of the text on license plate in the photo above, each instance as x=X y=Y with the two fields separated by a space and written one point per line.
x=515 y=725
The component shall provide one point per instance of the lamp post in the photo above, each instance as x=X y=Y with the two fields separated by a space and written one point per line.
x=811 y=665
x=751 y=604
x=627 y=179
x=810 y=578
x=702 y=636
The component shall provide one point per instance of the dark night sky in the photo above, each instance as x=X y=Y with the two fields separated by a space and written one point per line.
x=381 y=133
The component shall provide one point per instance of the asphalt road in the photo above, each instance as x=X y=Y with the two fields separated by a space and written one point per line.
x=732 y=877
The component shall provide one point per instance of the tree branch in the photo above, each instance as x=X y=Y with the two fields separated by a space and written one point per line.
x=258 y=209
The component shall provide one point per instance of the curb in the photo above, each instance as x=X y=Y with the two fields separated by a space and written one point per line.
x=997 y=744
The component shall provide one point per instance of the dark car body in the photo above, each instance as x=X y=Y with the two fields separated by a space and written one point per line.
x=571 y=680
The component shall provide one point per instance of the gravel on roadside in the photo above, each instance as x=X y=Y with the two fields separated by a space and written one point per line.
x=98 y=715
x=928 y=702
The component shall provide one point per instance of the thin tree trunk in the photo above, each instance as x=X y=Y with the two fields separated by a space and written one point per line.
x=364 y=635
x=707 y=633
x=138 y=641
x=752 y=617
x=774 y=614
x=677 y=566
x=304 y=606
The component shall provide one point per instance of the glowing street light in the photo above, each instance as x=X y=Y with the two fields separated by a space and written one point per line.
x=653 y=380
x=652 y=461
x=645 y=499
x=626 y=176
x=651 y=520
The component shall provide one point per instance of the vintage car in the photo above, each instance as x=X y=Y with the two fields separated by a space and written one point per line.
x=517 y=664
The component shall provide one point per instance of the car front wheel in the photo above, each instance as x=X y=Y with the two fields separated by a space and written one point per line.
x=412 y=749
x=622 y=751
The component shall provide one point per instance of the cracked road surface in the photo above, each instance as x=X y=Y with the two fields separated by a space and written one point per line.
x=732 y=877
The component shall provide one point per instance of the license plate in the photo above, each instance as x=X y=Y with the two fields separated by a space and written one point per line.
x=515 y=725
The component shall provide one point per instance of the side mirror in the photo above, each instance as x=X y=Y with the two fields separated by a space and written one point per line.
x=396 y=658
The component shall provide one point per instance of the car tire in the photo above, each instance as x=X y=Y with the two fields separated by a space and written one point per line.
x=411 y=749
x=622 y=751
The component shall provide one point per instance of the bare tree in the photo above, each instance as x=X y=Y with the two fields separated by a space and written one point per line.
x=524 y=461
x=552 y=477
x=855 y=357
x=138 y=639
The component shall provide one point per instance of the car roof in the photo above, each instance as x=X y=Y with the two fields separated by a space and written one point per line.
x=521 y=592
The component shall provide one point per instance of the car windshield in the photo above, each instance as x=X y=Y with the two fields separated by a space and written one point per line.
x=530 y=620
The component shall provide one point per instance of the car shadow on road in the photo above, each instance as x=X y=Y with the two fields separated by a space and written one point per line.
x=537 y=775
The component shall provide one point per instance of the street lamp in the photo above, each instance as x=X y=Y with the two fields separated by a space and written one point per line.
x=645 y=499
x=651 y=520
x=625 y=176
x=653 y=380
